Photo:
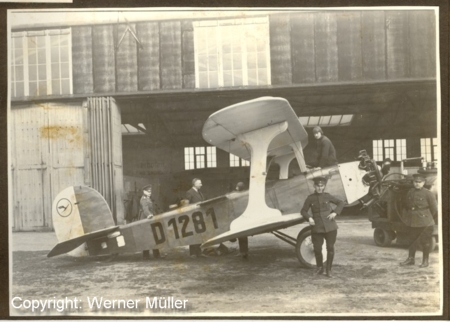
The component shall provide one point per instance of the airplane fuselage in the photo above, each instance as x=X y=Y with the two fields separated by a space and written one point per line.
x=197 y=223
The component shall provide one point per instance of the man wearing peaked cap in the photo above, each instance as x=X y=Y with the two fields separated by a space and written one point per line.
x=326 y=153
x=419 y=213
x=322 y=222
x=320 y=180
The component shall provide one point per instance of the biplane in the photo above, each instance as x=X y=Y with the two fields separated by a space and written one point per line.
x=269 y=132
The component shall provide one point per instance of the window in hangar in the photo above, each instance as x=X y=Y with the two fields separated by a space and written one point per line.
x=326 y=120
x=200 y=157
x=429 y=149
x=236 y=161
x=232 y=52
x=41 y=63
x=128 y=129
x=395 y=149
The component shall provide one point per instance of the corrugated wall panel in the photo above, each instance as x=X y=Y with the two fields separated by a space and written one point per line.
x=148 y=57
x=105 y=127
x=326 y=47
x=422 y=31
x=188 y=54
x=170 y=46
x=103 y=59
x=116 y=127
x=397 y=35
x=126 y=59
x=82 y=60
x=302 y=48
x=373 y=42
x=280 y=49
x=349 y=46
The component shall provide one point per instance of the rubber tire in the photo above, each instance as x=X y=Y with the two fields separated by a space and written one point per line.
x=433 y=246
x=305 y=251
x=382 y=237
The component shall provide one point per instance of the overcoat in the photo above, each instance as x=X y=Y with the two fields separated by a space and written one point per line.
x=146 y=207
x=194 y=196
x=326 y=153
x=420 y=208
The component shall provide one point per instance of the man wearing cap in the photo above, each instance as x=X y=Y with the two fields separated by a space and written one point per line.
x=322 y=222
x=147 y=211
x=419 y=214
x=194 y=195
x=326 y=153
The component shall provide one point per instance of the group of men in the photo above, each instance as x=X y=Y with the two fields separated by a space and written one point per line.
x=420 y=212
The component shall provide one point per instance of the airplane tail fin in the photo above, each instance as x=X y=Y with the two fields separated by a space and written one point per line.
x=79 y=213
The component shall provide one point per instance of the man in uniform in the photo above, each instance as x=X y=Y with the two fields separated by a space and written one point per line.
x=322 y=222
x=194 y=195
x=147 y=211
x=326 y=153
x=419 y=214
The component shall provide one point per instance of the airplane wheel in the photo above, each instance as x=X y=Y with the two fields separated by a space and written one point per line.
x=382 y=237
x=305 y=250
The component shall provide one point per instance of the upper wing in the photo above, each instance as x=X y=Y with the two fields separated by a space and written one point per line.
x=223 y=127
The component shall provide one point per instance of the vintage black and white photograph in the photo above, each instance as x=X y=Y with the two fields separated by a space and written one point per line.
x=232 y=162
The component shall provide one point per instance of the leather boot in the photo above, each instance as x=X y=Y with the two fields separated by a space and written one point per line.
x=318 y=271
x=319 y=263
x=330 y=257
x=408 y=262
x=411 y=255
x=425 y=263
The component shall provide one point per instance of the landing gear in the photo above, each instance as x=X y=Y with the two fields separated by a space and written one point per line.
x=383 y=237
x=304 y=249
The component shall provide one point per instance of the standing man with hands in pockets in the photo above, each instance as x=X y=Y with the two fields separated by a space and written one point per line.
x=323 y=222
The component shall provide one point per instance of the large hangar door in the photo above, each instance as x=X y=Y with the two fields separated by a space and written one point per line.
x=105 y=133
x=47 y=149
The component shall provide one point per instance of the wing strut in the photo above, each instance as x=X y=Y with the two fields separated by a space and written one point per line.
x=258 y=142
x=257 y=217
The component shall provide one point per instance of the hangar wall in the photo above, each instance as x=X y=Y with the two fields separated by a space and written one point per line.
x=305 y=48
x=57 y=145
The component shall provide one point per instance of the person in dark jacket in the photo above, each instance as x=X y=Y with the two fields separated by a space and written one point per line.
x=323 y=222
x=148 y=211
x=326 y=153
x=243 y=241
x=194 y=195
x=419 y=214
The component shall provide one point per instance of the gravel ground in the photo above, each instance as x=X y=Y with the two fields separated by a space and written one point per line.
x=368 y=280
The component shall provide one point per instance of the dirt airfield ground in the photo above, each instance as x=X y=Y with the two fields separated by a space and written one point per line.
x=368 y=279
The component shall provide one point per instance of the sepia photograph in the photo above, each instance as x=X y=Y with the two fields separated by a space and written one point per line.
x=225 y=162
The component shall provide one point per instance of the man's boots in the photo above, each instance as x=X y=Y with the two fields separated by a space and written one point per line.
x=319 y=263
x=330 y=257
x=410 y=260
x=426 y=256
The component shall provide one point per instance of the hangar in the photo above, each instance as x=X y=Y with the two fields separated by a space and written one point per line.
x=118 y=105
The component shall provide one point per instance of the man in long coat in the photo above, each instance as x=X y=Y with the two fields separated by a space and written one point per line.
x=194 y=195
x=419 y=214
